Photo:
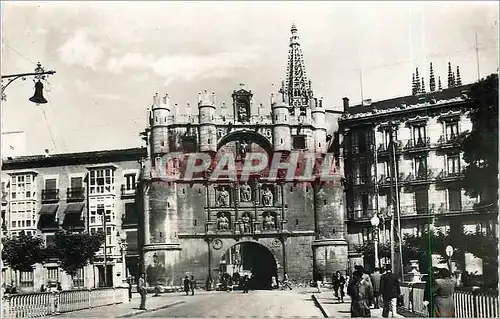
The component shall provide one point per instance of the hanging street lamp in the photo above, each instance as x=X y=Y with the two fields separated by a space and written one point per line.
x=39 y=75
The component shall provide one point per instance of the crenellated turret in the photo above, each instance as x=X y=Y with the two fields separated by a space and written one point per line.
x=206 y=110
x=319 y=121
x=160 y=114
x=281 y=118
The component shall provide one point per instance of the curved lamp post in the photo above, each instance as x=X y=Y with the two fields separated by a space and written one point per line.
x=375 y=222
x=39 y=75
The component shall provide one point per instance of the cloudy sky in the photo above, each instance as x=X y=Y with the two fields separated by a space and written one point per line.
x=112 y=57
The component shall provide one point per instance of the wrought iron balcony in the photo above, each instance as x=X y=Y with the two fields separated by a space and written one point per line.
x=362 y=214
x=50 y=195
x=127 y=192
x=420 y=144
x=423 y=177
x=363 y=180
x=75 y=194
x=446 y=141
x=383 y=148
x=446 y=176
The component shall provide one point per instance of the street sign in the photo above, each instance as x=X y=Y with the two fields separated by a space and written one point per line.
x=449 y=251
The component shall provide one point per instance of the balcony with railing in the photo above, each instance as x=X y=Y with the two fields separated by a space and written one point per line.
x=361 y=213
x=383 y=148
x=417 y=145
x=423 y=177
x=360 y=180
x=444 y=176
x=446 y=141
x=50 y=195
x=127 y=192
x=75 y=194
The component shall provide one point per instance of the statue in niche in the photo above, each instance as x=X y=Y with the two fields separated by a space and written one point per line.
x=246 y=223
x=243 y=149
x=222 y=222
x=269 y=223
x=267 y=197
x=242 y=112
x=245 y=193
x=223 y=199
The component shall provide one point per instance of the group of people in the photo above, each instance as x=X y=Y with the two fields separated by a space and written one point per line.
x=189 y=284
x=366 y=290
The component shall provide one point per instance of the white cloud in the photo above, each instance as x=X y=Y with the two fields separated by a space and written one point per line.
x=187 y=67
x=79 y=50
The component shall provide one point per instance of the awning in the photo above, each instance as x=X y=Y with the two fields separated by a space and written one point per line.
x=47 y=218
x=48 y=209
x=72 y=215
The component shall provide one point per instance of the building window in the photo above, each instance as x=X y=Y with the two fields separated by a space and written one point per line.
x=22 y=187
x=79 y=279
x=387 y=137
x=99 y=208
x=27 y=279
x=23 y=214
x=453 y=165
x=367 y=234
x=455 y=199
x=299 y=142
x=366 y=204
x=51 y=184
x=53 y=275
x=421 y=166
x=419 y=136
x=451 y=130
x=422 y=200
x=102 y=181
x=130 y=182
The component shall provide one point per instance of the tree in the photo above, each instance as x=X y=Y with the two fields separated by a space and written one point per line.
x=485 y=247
x=480 y=145
x=74 y=250
x=23 y=251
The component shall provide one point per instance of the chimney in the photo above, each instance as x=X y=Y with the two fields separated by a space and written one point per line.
x=346 y=103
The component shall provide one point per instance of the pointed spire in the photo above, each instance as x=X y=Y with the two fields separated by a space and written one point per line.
x=459 y=80
x=422 y=89
x=450 y=76
x=417 y=81
x=440 y=87
x=413 y=85
x=454 y=80
x=432 y=80
x=297 y=87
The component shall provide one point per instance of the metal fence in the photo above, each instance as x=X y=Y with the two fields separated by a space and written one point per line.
x=44 y=304
x=468 y=303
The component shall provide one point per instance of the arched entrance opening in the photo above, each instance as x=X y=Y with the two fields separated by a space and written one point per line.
x=252 y=259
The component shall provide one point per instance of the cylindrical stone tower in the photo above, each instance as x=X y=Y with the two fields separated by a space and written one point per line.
x=319 y=122
x=282 y=139
x=159 y=129
x=206 y=110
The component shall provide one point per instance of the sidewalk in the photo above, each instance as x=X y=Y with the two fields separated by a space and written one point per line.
x=129 y=309
x=331 y=308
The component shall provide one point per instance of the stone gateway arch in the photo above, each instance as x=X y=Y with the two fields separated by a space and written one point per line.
x=188 y=224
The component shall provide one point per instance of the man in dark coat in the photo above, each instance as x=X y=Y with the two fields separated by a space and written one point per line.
x=191 y=285
x=187 y=285
x=245 y=284
x=375 y=277
x=390 y=290
x=141 y=286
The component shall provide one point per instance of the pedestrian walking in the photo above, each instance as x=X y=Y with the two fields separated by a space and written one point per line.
x=187 y=285
x=361 y=292
x=443 y=294
x=142 y=290
x=286 y=282
x=338 y=282
x=245 y=284
x=191 y=284
x=274 y=283
x=375 y=277
x=390 y=290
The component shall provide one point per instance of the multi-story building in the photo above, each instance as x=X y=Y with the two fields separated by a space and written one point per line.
x=190 y=224
x=428 y=163
x=86 y=191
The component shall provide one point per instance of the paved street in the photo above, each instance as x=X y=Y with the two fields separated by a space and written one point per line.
x=236 y=304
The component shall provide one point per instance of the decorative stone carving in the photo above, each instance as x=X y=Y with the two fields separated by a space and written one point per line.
x=246 y=223
x=243 y=149
x=269 y=222
x=267 y=197
x=222 y=222
x=223 y=199
x=245 y=193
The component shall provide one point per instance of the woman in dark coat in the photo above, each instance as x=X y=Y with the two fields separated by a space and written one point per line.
x=361 y=292
x=444 y=286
